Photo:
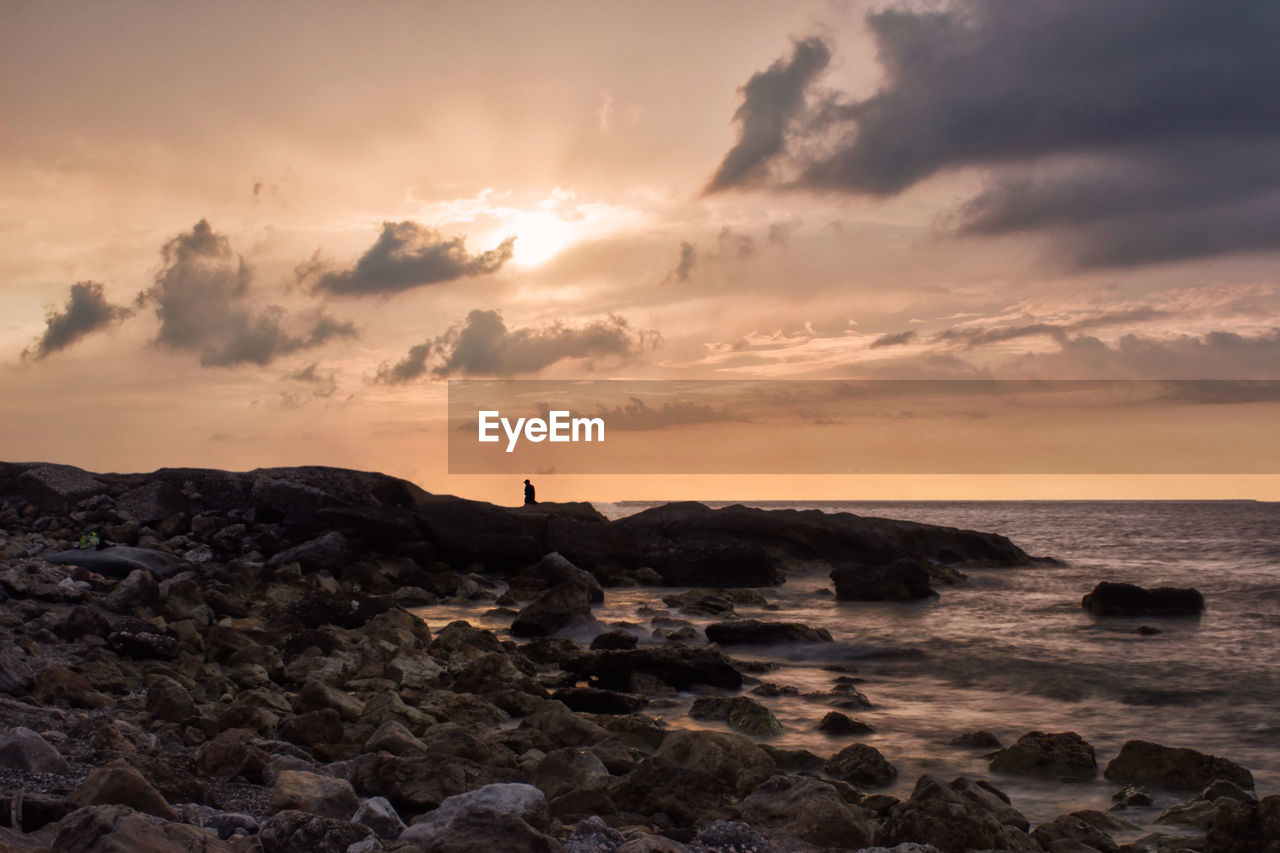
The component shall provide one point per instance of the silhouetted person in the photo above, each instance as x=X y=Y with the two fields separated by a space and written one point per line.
x=529 y=497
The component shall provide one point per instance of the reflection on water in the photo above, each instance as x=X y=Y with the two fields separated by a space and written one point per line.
x=1011 y=651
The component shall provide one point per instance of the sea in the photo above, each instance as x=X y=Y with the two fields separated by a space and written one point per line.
x=1012 y=651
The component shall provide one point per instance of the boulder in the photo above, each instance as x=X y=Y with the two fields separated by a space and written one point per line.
x=730 y=835
x=293 y=831
x=120 y=784
x=420 y=783
x=23 y=749
x=327 y=552
x=840 y=725
x=737 y=762
x=592 y=700
x=314 y=794
x=741 y=713
x=1245 y=827
x=233 y=754
x=316 y=695
x=861 y=766
x=754 y=632
x=516 y=800
x=120 y=829
x=1125 y=599
x=312 y=727
x=789 y=809
x=556 y=569
x=979 y=739
x=379 y=815
x=680 y=668
x=683 y=793
x=563 y=727
x=558 y=608
x=152 y=502
x=612 y=640
x=169 y=701
x=570 y=769
x=139 y=589
x=1059 y=757
x=1074 y=831
x=900 y=580
x=15 y=671
x=119 y=561
x=481 y=831
x=394 y=738
x=55 y=489
x=1147 y=763
x=942 y=815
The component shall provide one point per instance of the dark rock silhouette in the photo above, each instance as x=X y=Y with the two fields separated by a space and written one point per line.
x=1125 y=599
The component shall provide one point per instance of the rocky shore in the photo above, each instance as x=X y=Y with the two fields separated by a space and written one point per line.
x=200 y=660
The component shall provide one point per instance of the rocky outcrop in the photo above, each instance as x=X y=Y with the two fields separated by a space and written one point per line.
x=791 y=809
x=680 y=668
x=956 y=818
x=737 y=762
x=754 y=632
x=558 y=608
x=1148 y=763
x=1125 y=599
x=900 y=580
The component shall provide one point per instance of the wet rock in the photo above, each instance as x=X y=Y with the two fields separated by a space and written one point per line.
x=591 y=700
x=23 y=749
x=938 y=814
x=169 y=701
x=835 y=723
x=1149 y=763
x=570 y=769
x=120 y=829
x=313 y=793
x=394 y=738
x=299 y=832
x=119 y=561
x=1131 y=795
x=1070 y=829
x=861 y=766
x=683 y=793
x=735 y=761
x=558 y=608
x=680 y=668
x=977 y=740
x=1124 y=599
x=120 y=784
x=380 y=816
x=788 y=809
x=556 y=569
x=612 y=640
x=702 y=602
x=900 y=580
x=755 y=632
x=1064 y=757
x=741 y=713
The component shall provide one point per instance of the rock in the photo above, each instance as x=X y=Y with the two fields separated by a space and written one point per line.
x=1149 y=763
x=327 y=552
x=419 y=783
x=861 y=766
x=591 y=700
x=313 y=793
x=379 y=815
x=563 y=727
x=611 y=640
x=57 y=685
x=755 y=632
x=558 y=608
x=415 y=670
x=683 y=793
x=835 y=723
x=702 y=602
x=280 y=763
x=735 y=761
x=900 y=580
x=945 y=817
x=570 y=769
x=394 y=738
x=139 y=589
x=229 y=824
x=680 y=668
x=556 y=569
x=1124 y=599
x=977 y=740
x=728 y=835
x=23 y=749
x=298 y=832
x=119 y=561
x=311 y=728
x=740 y=712
x=481 y=831
x=15 y=671
x=1252 y=827
x=169 y=701
x=517 y=800
x=152 y=502
x=83 y=622
x=1060 y=757
x=136 y=639
x=56 y=488
x=120 y=829
x=1070 y=829
x=788 y=809
x=1131 y=795
x=1197 y=814
x=233 y=754
x=120 y=784
x=593 y=835
x=316 y=695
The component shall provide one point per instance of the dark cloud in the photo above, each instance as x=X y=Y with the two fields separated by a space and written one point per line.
x=323 y=385
x=684 y=267
x=408 y=255
x=771 y=101
x=87 y=310
x=1130 y=133
x=1215 y=355
x=975 y=336
x=893 y=340
x=484 y=346
x=635 y=414
x=201 y=298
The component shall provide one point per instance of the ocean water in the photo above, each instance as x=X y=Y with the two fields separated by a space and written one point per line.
x=1012 y=651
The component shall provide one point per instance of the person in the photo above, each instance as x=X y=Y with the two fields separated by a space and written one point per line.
x=529 y=494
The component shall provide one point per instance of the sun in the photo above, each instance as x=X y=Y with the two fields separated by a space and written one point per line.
x=540 y=236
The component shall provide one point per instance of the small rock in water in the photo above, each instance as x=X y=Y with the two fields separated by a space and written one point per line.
x=1064 y=756
x=980 y=739
x=835 y=723
x=1126 y=599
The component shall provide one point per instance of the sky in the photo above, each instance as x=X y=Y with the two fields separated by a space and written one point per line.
x=241 y=235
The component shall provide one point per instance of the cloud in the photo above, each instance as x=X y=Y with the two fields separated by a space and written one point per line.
x=975 y=336
x=771 y=100
x=1129 y=134
x=637 y=415
x=408 y=255
x=733 y=244
x=201 y=298
x=684 y=267
x=323 y=384
x=86 y=311
x=893 y=340
x=484 y=346
x=1214 y=355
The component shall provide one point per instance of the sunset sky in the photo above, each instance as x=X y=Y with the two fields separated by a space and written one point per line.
x=242 y=234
